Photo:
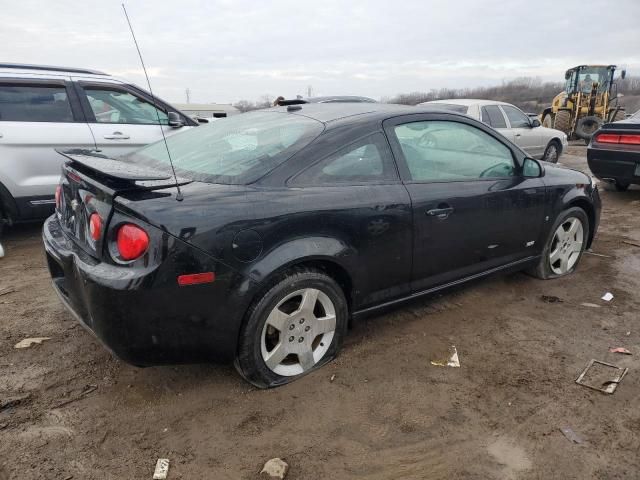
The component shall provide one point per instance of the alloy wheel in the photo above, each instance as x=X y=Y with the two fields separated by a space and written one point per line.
x=298 y=332
x=566 y=246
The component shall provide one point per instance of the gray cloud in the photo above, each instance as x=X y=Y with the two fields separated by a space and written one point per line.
x=225 y=50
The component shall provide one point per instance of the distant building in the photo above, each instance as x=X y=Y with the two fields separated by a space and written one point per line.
x=207 y=110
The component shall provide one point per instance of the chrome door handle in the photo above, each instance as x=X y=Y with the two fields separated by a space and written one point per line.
x=441 y=213
x=518 y=134
x=117 y=136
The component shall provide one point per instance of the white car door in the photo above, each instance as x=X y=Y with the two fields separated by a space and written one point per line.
x=123 y=119
x=526 y=137
x=494 y=117
x=36 y=118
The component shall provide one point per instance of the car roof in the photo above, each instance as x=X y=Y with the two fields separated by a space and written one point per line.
x=340 y=98
x=331 y=112
x=467 y=102
x=44 y=69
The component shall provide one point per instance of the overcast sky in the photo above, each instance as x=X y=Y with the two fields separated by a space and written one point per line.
x=227 y=50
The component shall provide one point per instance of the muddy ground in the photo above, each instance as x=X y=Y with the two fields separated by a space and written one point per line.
x=79 y=413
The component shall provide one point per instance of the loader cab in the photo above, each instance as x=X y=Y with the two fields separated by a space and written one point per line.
x=583 y=77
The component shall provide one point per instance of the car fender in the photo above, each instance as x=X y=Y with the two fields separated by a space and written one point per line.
x=301 y=250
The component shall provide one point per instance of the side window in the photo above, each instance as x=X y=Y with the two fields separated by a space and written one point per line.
x=119 y=106
x=440 y=151
x=34 y=103
x=492 y=116
x=367 y=160
x=517 y=119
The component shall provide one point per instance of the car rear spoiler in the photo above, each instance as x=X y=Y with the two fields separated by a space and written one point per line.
x=112 y=168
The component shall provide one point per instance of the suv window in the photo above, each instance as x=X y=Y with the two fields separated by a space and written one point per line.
x=438 y=151
x=492 y=116
x=365 y=161
x=119 y=106
x=31 y=103
x=517 y=119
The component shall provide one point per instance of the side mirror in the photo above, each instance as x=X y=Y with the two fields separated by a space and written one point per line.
x=175 y=120
x=531 y=168
x=535 y=123
x=623 y=74
x=567 y=74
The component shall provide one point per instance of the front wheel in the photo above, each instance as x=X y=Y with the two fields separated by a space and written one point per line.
x=295 y=327
x=552 y=152
x=565 y=245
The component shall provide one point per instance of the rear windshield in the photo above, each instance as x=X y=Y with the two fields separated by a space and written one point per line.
x=236 y=150
x=452 y=107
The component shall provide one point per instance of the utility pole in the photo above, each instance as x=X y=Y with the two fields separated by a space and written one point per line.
x=188 y=93
x=309 y=91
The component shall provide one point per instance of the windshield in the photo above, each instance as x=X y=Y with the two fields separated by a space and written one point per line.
x=236 y=150
x=588 y=76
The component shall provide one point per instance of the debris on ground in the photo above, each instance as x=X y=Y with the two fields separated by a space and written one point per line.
x=601 y=376
x=620 y=350
x=607 y=297
x=275 y=468
x=27 y=342
x=87 y=391
x=7 y=290
x=635 y=244
x=628 y=333
x=597 y=254
x=451 y=359
x=1 y=251
x=551 y=299
x=162 y=469
x=571 y=435
x=13 y=401
x=591 y=305
x=333 y=377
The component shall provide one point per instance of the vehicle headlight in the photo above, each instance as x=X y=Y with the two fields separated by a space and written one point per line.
x=593 y=182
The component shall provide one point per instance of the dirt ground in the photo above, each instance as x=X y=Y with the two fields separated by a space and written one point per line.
x=69 y=410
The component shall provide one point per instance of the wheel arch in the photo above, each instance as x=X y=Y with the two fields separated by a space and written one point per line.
x=8 y=206
x=585 y=205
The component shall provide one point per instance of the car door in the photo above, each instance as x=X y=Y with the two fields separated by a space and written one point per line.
x=122 y=118
x=525 y=136
x=473 y=209
x=36 y=118
x=354 y=194
x=494 y=117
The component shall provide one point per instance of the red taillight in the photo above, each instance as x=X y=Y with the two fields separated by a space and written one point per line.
x=625 y=139
x=132 y=241
x=196 y=278
x=95 y=226
x=58 y=196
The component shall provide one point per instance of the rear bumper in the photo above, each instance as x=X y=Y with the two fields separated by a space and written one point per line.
x=614 y=164
x=142 y=315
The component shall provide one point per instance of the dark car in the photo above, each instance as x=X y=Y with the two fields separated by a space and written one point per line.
x=291 y=221
x=614 y=153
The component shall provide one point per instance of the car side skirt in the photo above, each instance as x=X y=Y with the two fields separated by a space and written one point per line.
x=512 y=266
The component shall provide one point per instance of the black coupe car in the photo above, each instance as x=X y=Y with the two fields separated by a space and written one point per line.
x=614 y=153
x=291 y=221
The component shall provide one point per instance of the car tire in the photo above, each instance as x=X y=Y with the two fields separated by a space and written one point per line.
x=558 y=247
x=562 y=121
x=552 y=152
x=279 y=323
x=616 y=186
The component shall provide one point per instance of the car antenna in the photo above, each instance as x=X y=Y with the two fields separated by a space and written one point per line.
x=179 y=196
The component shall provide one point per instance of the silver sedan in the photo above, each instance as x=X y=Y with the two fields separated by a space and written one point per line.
x=526 y=132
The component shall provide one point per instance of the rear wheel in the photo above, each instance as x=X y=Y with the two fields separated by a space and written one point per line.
x=552 y=152
x=565 y=245
x=294 y=328
x=562 y=121
x=616 y=186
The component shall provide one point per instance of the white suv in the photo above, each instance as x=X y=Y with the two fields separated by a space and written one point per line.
x=46 y=108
